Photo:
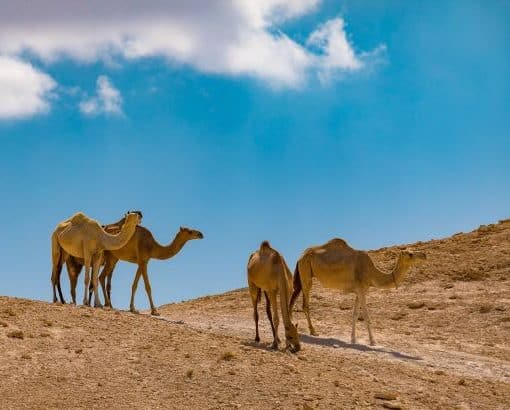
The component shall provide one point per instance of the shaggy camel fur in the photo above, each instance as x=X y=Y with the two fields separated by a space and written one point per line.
x=336 y=265
x=268 y=271
x=83 y=237
x=140 y=249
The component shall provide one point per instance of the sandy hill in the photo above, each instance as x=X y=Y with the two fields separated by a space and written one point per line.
x=443 y=342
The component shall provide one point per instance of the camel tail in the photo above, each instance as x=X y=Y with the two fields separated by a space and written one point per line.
x=297 y=287
x=265 y=244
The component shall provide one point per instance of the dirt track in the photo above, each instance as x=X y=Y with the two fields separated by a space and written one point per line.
x=442 y=342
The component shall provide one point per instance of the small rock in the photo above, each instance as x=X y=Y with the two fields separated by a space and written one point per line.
x=385 y=396
x=462 y=382
x=440 y=372
x=415 y=305
x=16 y=334
x=78 y=351
x=26 y=356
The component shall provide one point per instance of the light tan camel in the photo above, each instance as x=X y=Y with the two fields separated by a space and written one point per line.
x=338 y=266
x=268 y=272
x=140 y=249
x=74 y=265
x=83 y=237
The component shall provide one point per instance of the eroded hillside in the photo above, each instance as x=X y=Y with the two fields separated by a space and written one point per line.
x=442 y=342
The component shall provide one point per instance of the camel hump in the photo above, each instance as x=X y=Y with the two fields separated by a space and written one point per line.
x=338 y=242
x=79 y=217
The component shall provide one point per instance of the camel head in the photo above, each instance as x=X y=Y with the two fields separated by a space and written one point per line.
x=190 y=234
x=292 y=338
x=134 y=212
x=412 y=257
x=133 y=216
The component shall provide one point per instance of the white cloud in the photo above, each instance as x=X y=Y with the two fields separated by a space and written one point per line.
x=24 y=90
x=107 y=100
x=236 y=37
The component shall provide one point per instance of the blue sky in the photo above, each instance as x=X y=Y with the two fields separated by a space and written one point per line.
x=378 y=122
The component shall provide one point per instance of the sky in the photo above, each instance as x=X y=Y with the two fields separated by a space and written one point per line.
x=379 y=122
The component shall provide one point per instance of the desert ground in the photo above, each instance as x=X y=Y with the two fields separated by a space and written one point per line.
x=443 y=341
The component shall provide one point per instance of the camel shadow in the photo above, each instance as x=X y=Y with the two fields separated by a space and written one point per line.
x=336 y=343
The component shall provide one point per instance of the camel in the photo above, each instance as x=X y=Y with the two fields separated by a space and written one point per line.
x=83 y=237
x=74 y=265
x=338 y=266
x=268 y=271
x=139 y=249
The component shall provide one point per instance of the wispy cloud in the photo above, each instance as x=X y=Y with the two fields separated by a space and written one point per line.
x=236 y=37
x=233 y=38
x=107 y=100
x=24 y=90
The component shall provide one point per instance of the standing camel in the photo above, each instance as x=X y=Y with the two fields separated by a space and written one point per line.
x=268 y=271
x=74 y=265
x=338 y=266
x=139 y=249
x=83 y=237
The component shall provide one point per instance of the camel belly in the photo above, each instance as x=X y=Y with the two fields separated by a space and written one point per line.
x=340 y=280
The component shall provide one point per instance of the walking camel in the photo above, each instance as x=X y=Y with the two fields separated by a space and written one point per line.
x=338 y=266
x=83 y=237
x=139 y=249
x=268 y=272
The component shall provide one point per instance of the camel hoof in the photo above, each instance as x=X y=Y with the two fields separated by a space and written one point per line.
x=257 y=339
x=98 y=305
x=372 y=343
x=274 y=346
x=134 y=311
x=155 y=313
x=314 y=333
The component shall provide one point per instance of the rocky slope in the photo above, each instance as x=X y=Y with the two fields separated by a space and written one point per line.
x=443 y=342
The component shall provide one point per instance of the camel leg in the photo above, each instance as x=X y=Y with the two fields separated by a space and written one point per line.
x=57 y=261
x=86 y=283
x=96 y=263
x=255 y=298
x=366 y=317
x=355 y=314
x=269 y=316
x=105 y=276
x=148 y=289
x=276 y=319
x=73 y=282
x=306 y=283
x=109 y=287
x=73 y=271
x=133 y=290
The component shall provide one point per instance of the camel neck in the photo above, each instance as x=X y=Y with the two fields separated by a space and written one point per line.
x=284 y=295
x=390 y=280
x=167 y=251
x=114 y=242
